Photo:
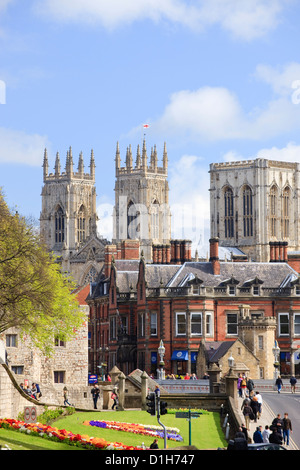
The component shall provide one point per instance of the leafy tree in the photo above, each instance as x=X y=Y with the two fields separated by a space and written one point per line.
x=34 y=295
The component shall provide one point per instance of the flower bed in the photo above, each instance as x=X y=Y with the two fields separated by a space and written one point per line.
x=49 y=432
x=143 y=429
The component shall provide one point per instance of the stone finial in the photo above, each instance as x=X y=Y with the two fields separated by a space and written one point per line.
x=57 y=165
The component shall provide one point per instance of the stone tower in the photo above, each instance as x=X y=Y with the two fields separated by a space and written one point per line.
x=142 y=200
x=253 y=203
x=68 y=219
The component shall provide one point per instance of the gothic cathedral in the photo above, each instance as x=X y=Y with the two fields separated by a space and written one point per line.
x=68 y=220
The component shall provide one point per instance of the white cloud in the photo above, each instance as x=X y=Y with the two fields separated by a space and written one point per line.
x=19 y=147
x=216 y=113
x=247 y=19
x=289 y=153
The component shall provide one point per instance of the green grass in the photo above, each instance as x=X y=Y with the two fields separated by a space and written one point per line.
x=206 y=431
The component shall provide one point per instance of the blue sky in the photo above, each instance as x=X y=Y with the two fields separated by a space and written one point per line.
x=217 y=80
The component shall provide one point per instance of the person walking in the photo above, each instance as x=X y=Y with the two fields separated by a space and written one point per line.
x=257 y=436
x=250 y=387
x=293 y=382
x=275 y=436
x=95 y=393
x=248 y=415
x=255 y=407
x=243 y=387
x=260 y=402
x=278 y=384
x=286 y=429
x=278 y=423
x=115 y=398
x=66 y=398
x=266 y=434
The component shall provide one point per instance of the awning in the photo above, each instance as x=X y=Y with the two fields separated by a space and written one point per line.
x=180 y=355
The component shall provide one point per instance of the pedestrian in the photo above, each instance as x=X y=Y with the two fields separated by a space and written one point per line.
x=239 y=385
x=244 y=430
x=266 y=434
x=154 y=444
x=278 y=423
x=293 y=382
x=250 y=387
x=257 y=436
x=248 y=415
x=243 y=387
x=96 y=393
x=115 y=398
x=260 y=402
x=255 y=407
x=66 y=398
x=275 y=437
x=240 y=433
x=278 y=384
x=286 y=429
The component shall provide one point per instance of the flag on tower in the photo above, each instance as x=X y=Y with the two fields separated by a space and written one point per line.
x=146 y=126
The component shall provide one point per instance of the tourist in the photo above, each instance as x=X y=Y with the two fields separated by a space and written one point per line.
x=115 y=398
x=257 y=436
x=66 y=398
x=154 y=444
x=250 y=387
x=286 y=429
x=266 y=434
x=260 y=402
x=96 y=393
x=293 y=382
x=278 y=384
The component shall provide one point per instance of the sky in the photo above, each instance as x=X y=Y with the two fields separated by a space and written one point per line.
x=217 y=80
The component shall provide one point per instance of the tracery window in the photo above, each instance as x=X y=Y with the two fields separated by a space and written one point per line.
x=248 y=212
x=229 y=208
x=59 y=226
x=273 y=202
x=285 y=213
x=81 y=226
x=155 y=220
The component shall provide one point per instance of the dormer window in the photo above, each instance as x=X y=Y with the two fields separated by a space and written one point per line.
x=231 y=290
x=255 y=290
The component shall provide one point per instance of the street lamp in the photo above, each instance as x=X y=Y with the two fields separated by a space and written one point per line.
x=230 y=363
x=161 y=351
x=276 y=352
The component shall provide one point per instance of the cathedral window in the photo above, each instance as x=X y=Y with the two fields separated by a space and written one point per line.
x=59 y=226
x=155 y=220
x=132 y=220
x=229 y=210
x=81 y=226
x=285 y=213
x=273 y=201
x=247 y=212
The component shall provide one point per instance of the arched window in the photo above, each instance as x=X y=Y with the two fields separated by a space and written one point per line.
x=286 y=213
x=273 y=205
x=155 y=219
x=132 y=220
x=229 y=209
x=59 y=226
x=81 y=226
x=247 y=212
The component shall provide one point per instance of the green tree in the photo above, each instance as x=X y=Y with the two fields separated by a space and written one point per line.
x=34 y=295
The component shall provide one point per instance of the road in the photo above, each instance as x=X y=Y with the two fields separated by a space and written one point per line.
x=286 y=403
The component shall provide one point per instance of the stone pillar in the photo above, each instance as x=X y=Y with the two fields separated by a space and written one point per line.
x=214 y=378
x=231 y=385
x=114 y=374
x=144 y=378
x=121 y=392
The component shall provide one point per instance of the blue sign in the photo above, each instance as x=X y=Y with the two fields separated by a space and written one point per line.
x=93 y=379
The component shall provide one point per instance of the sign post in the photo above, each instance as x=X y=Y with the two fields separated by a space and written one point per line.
x=188 y=415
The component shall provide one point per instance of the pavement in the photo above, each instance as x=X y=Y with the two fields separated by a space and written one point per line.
x=266 y=418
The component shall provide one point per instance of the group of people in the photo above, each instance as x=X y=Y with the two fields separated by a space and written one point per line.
x=34 y=391
x=277 y=433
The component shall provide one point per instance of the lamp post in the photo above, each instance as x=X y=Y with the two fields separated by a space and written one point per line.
x=230 y=364
x=161 y=351
x=276 y=352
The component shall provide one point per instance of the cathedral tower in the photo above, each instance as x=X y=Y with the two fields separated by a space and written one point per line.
x=68 y=217
x=142 y=200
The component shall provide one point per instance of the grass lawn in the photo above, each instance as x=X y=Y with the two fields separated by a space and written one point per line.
x=206 y=431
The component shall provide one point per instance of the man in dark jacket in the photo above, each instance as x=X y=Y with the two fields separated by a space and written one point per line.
x=275 y=436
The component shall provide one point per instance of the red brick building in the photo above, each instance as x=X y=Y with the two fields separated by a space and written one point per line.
x=135 y=305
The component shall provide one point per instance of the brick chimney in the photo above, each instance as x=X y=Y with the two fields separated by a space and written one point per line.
x=214 y=255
